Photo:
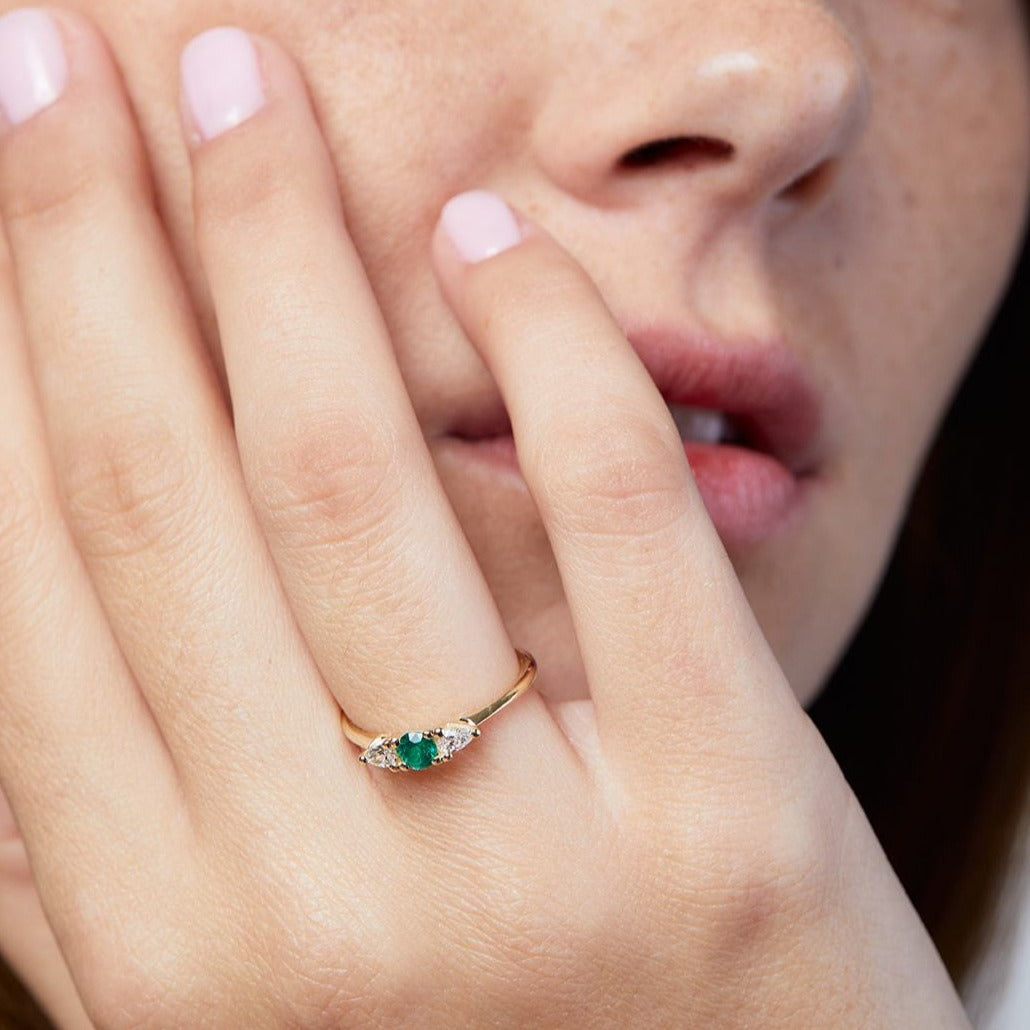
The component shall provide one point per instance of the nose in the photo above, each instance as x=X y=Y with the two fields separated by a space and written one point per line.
x=745 y=101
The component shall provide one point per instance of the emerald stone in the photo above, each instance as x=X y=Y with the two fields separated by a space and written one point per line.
x=416 y=750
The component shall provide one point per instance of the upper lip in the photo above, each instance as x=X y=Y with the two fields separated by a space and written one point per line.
x=763 y=385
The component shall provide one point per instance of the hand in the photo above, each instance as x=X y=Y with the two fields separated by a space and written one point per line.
x=176 y=647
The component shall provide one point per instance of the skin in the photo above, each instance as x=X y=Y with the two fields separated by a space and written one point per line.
x=764 y=895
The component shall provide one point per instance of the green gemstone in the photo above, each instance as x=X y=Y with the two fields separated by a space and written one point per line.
x=416 y=750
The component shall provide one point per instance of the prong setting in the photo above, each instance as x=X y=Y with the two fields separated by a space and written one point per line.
x=414 y=750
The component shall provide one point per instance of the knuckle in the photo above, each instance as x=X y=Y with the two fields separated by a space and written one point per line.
x=251 y=179
x=766 y=858
x=611 y=476
x=137 y=972
x=556 y=285
x=130 y=486
x=235 y=195
x=318 y=982
x=305 y=940
x=333 y=478
x=775 y=878
x=99 y=163
x=124 y=997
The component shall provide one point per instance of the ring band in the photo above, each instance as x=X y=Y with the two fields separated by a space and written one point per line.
x=419 y=749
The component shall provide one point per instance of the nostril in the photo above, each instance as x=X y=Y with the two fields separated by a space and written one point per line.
x=681 y=150
x=812 y=185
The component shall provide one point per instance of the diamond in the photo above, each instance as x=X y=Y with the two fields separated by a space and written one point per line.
x=456 y=735
x=382 y=754
x=416 y=750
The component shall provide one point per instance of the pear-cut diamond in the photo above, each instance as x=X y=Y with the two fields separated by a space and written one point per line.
x=382 y=754
x=456 y=735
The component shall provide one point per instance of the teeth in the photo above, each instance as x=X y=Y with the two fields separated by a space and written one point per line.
x=700 y=424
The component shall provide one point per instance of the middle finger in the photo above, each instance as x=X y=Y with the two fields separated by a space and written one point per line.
x=382 y=579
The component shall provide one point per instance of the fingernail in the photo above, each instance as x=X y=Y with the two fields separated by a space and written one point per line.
x=33 y=66
x=221 y=80
x=480 y=225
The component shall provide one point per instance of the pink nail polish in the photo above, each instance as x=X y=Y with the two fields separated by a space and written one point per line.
x=221 y=80
x=480 y=225
x=33 y=65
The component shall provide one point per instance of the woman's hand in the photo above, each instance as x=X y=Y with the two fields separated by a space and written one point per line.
x=185 y=608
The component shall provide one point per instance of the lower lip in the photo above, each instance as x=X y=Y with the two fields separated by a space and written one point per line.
x=749 y=496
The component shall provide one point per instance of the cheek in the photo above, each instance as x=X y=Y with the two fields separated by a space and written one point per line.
x=393 y=102
x=944 y=173
x=893 y=287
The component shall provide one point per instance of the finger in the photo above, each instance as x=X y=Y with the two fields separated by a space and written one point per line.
x=668 y=638
x=76 y=738
x=27 y=941
x=379 y=574
x=143 y=449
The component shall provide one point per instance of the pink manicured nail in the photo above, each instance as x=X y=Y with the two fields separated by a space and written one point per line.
x=33 y=66
x=221 y=80
x=480 y=225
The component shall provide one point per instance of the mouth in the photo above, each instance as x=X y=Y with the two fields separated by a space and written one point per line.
x=703 y=425
x=754 y=395
x=750 y=421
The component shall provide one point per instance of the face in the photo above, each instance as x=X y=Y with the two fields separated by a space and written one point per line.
x=848 y=182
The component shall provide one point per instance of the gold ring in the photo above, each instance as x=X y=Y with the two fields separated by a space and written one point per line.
x=419 y=749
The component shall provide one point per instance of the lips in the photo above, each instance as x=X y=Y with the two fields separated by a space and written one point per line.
x=751 y=482
x=762 y=386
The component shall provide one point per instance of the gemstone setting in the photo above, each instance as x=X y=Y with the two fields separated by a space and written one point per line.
x=455 y=736
x=382 y=754
x=419 y=749
x=416 y=750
